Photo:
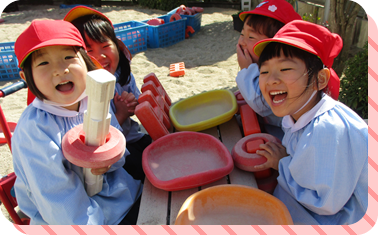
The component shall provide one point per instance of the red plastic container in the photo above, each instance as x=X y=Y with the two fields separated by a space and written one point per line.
x=246 y=161
x=239 y=98
x=249 y=119
x=77 y=152
x=184 y=160
x=150 y=113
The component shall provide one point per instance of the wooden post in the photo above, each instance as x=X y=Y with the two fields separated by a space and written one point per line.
x=100 y=90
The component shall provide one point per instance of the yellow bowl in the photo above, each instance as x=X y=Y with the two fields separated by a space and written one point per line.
x=203 y=111
x=233 y=204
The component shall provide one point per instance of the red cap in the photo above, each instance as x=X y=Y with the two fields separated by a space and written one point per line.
x=43 y=33
x=280 y=10
x=80 y=11
x=314 y=39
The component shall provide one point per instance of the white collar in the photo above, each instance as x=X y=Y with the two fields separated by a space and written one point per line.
x=325 y=104
x=59 y=111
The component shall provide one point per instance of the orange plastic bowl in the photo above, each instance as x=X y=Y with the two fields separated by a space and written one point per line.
x=233 y=204
x=184 y=160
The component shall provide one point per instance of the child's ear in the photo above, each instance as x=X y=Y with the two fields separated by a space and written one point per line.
x=22 y=75
x=323 y=78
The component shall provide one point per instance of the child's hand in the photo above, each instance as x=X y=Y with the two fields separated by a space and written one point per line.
x=273 y=153
x=122 y=112
x=100 y=171
x=130 y=100
x=244 y=58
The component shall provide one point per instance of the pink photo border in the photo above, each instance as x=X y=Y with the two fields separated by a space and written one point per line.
x=365 y=226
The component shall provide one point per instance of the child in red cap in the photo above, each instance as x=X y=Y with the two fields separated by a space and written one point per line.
x=99 y=36
x=50 y=189
x=261 y=23
x=323 y=159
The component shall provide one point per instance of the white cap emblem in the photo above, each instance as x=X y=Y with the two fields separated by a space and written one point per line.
x=272 y=8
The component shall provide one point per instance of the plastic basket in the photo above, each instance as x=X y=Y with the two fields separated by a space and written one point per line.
x=193 y=20
x=133 y=34
x=166 y=34
x=8 y=62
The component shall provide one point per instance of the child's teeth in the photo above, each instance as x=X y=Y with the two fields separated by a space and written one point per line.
x=63 y=83
x=277 y=101
x=277 y=92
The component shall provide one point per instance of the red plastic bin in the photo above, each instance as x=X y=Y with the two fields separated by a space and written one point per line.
x=184 y=160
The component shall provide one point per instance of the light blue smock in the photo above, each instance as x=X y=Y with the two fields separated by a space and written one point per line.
x=324 y=180
x=131 y=129
x=48 y=188
x=248 y=84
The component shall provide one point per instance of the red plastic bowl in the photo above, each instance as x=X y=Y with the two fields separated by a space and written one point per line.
x=184 y=160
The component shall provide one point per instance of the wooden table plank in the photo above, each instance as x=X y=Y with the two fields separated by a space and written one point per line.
x=230 y=135
x=153 y=206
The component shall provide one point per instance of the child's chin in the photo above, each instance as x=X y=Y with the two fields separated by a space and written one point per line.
x=278 y=114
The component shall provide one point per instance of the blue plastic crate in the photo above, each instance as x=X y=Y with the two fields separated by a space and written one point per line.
x=133 y=34
x=166 y=34
x=8 y=62
x=193 y=20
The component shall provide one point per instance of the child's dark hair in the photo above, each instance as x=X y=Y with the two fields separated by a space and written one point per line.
x=264 y=25
x=312 y=62
x=29 y=73
x=100 y=30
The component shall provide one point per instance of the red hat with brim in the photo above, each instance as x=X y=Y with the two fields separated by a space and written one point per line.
x=44 y=33
x=80 y=11
x=280 y=10
x=314 y=39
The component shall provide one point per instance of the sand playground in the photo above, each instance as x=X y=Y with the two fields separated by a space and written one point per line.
x=209 y=57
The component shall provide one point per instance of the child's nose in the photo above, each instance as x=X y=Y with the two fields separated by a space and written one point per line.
x=61 y=69
x=273 y=79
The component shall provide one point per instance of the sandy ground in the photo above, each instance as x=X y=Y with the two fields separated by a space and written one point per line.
x=209 y=56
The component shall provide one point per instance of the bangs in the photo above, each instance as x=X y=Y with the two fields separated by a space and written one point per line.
x=95 y=27
x=275 y=49
x=98 y=31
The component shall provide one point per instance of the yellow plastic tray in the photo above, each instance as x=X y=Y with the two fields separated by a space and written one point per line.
x=233 y=204
x=204 y=110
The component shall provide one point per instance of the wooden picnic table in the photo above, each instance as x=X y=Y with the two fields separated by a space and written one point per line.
x=160 y=207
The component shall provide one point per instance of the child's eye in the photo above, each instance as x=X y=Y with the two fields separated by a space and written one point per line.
x=43 y=63
x=106 y=45
x=263 y=72
x=286 y=69
x=69 y=57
